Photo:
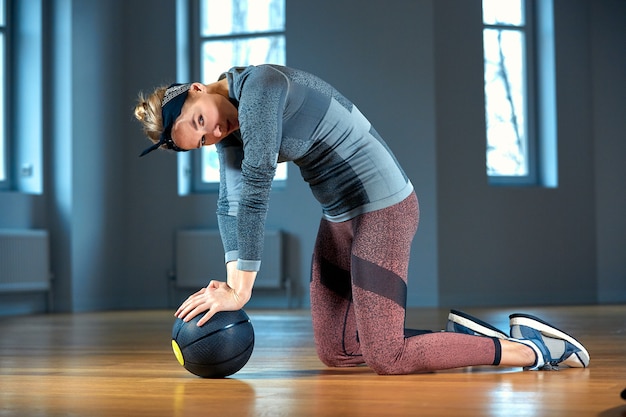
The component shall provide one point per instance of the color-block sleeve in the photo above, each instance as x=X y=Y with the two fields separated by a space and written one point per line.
x=230 y=154
x=261 y=95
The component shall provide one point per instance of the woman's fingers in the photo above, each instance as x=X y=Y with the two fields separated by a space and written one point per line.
x=216 y=297
x=194 y=305
x=207 y=316
x=190 y=300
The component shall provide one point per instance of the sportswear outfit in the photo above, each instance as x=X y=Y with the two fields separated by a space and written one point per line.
x=369 y=215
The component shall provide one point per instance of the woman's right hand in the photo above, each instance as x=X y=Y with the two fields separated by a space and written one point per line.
x=217 y=296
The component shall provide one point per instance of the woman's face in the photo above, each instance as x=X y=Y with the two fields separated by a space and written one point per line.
x=205 y=119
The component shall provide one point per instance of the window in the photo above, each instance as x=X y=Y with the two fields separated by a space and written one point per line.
x=514 y=94
x=3 y=60
x=228 y=33
x=21 y=109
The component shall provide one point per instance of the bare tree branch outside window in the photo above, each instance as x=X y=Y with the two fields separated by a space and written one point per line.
x=505 y=98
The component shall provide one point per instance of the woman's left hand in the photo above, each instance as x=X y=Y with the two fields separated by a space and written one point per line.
x=217 y=296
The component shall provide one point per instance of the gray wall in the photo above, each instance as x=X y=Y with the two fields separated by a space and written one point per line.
x=415 y=69
x=513 y=245
x=608 y=95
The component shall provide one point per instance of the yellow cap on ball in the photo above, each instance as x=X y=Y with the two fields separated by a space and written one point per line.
x=178 y=353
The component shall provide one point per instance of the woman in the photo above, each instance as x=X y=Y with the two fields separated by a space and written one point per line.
x=258 y=116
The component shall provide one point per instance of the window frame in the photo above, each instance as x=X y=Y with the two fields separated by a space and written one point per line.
x=5 y=181
x=23 y=109
x=190 y=41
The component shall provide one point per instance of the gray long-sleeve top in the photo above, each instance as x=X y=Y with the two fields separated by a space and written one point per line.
x=290 y=115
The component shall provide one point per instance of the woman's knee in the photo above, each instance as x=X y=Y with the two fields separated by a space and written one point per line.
x=383 y=365
x=392 y=361
x=337 y=358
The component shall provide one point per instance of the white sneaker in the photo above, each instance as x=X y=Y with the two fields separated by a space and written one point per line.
x=552 y=346
x=460 y=322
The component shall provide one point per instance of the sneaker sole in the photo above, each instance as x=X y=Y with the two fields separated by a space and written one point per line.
x=551 y=331
x=475 y=324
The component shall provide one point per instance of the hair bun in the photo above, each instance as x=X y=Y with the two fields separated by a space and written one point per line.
x=148 y=112
x=141 y=110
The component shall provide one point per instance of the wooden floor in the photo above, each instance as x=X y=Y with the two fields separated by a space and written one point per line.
x=121 y=364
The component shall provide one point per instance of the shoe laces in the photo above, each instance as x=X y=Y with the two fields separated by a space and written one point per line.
x=550 y=366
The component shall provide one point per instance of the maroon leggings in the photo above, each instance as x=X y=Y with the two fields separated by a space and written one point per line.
x=358 y=299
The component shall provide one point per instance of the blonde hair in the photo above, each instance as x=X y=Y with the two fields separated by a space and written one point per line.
x=148 y=112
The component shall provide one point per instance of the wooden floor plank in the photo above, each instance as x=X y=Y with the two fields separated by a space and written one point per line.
x=121 y=364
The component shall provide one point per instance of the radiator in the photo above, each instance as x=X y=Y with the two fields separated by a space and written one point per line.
x=200 y=258
x=24 y=260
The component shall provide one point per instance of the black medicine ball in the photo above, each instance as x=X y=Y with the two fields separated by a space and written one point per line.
x=219 y=348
